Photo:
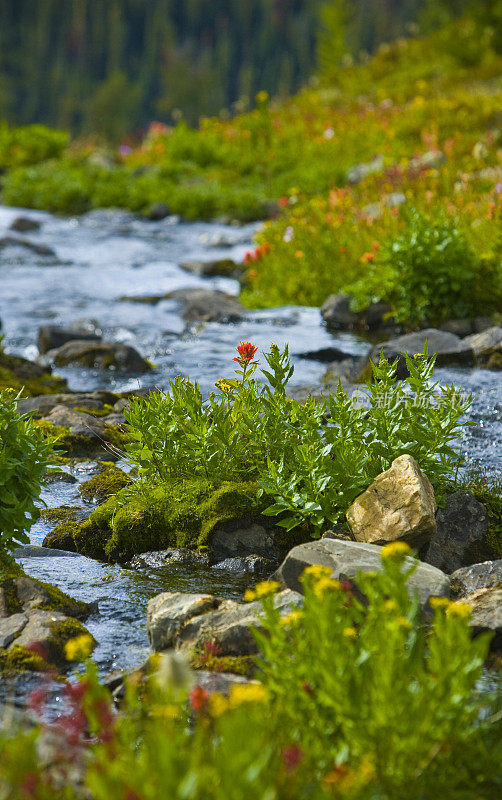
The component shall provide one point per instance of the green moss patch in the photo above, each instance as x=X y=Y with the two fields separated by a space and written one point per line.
x=60 y=514
x=28 y=378
x=176 y=515
x=20 y=659
x=61 y=633
x=105 y=484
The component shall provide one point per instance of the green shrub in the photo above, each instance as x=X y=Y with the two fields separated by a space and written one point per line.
x=311 y=459
x=430 y=273
x=21 y=147
x=357 y=702
x=54 y=186
x=24 y=455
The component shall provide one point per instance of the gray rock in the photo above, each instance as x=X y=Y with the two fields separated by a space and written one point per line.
x=161 y=558
x=58 y=476
x=338 y=316
x=208 y=305
x=167 y=613
x=176 y=620
x=25 y=225
x=11 y=627
x=462 y=526
x=448 y=348
x=34 y=551
x=486 y=615
x=104 y=355
x=244 y=537
x=486 y=575
x=77 y=421
x=459 y=327
x=158 y=211
x=256 y=565
x=485 y=344
x=229 y=627
x=346 y=559
x=221 y=682
x=50 y=337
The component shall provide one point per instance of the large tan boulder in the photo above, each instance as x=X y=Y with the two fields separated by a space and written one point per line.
x=399 y=504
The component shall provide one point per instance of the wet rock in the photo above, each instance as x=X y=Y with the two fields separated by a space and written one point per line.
x=256 y=565
x=50 y=337
x=347 y=370
x=168 y=612
x=324 y=355
x=59 y=476
x=485 y=345
x=399 y=505
x=495 y=361
x=486 y=614
x=34 y=551
x=338 y=316
x=176 y=620
x=486 y=575
x=221 y=682
x=25 y=225
x=346 y=559
x=105 y=484
x=77 y=421
x=38 y=249
x=161 y=558
x=208 y=305
x=157 y=212
x=245 y=537
x=210 y=269
x=449 y=349
x=103 y=355
x=462 y=526
x=459 y=327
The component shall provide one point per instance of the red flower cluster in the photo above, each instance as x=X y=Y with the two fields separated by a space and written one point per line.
x=257 y=254
x=291 y=756
x=247 y=352
x=199 y=699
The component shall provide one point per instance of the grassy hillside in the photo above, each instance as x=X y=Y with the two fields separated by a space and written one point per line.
x=401 y=154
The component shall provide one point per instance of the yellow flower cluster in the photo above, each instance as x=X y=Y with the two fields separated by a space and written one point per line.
x=396 y=550
x=262 y=589
x=291 y=619
x=450 y=607
x=79 y=648
x=239 y=694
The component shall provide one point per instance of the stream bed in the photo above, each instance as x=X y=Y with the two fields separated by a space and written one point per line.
x=104 y=255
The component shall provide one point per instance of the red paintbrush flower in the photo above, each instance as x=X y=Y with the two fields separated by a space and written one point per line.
x=246 y=352
x=199 y=698
x=291 y=756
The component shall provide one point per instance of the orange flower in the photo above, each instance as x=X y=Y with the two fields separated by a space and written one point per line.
x=367 y=257
x=247 y=352
x=299 y=254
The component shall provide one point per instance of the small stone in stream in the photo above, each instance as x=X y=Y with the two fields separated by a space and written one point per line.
x=245 y=537
x=162 y=558
x=50 y=337
x=256 y=565
x=157 y=212
x=337 y=314
x=34 y=551
x=43 y=404
x=461 y=531
x=104 y=355
x=208 y=305
x=324 y=355
x=485 y=344
x=38 y=249
x=78 y=421
x=486 y=575
x=59 y=476
x=399 y=505
x=224 y=267
x=25 y=225
x=168 y=612
x=346 y=559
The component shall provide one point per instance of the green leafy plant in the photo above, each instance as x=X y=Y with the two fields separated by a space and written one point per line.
x=311 y=459
x=24 y=456
x=427 y=274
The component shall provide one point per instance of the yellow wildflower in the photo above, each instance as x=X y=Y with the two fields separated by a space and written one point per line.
x=290 y=619
x=390 y=605
x=247 y=693
x=317 y=571
x=325 y=584
x=218 y=704
x=262 y=589
x=396 y=550
x=167 y=711
x=439 y=602
x=79 y=648
x=350 y=632
x=462 y=610
x=404 y=622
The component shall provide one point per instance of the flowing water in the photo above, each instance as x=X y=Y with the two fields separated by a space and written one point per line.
x=105 y=255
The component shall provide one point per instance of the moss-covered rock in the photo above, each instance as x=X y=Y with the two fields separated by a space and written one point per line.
x=20 y=659
x=28 y=378
x=104 y=485
x=176 y=515
x=112 y=441
x=60 y=514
